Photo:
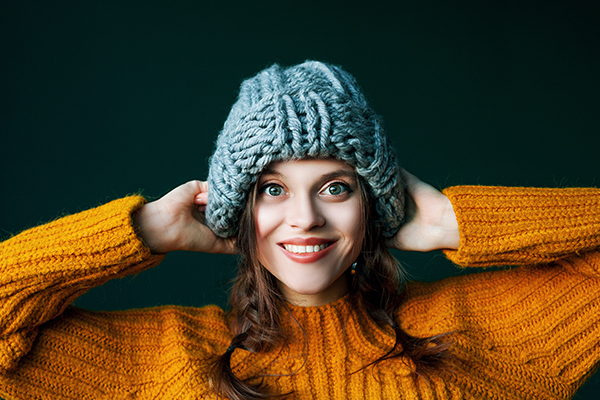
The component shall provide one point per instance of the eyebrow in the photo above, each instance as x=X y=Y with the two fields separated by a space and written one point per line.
x=269 y=171
x=340 y=173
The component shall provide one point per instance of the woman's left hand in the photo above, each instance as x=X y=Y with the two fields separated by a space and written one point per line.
x=430 y=220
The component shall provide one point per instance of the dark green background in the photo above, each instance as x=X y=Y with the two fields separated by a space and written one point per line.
x=103 y=99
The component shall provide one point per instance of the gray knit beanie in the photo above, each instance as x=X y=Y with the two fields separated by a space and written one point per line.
x=311 y=110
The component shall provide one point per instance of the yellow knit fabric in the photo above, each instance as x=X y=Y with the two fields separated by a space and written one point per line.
x=531 y=332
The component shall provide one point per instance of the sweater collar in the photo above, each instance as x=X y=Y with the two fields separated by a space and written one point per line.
x=340 y=332
x=342 y=328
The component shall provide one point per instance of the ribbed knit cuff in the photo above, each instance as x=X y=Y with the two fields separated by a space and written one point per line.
x=517 y=226
x=92 y=239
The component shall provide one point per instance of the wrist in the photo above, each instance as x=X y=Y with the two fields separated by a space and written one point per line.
x=149 y=226
x=449 y=237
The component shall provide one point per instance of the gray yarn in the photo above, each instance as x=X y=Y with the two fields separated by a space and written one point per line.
x=311 y=110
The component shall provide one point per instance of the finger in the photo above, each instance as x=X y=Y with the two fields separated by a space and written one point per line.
x=201 y=198
x=410 y=179
x=190 y=188
x=203 y=186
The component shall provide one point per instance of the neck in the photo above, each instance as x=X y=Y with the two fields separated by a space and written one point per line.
x=334 y=292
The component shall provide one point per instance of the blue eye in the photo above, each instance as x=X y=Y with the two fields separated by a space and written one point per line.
x=336 y=189
x=273 y=190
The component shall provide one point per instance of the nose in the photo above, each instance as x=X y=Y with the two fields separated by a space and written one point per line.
x=304 y=213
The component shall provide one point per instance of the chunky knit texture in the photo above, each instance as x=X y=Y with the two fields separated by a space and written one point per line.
x=531 y=332
x=312 y=110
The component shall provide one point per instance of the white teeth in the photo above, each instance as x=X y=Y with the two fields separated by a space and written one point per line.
x=292 y=248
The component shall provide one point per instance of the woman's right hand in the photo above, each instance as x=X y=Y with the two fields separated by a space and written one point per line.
x=176 y=222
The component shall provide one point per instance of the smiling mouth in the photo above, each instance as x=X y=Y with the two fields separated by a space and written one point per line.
x=292 y=248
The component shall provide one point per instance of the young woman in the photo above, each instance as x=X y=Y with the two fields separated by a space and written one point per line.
x=305 y=186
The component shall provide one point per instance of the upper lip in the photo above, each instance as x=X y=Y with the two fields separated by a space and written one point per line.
x=312 y=241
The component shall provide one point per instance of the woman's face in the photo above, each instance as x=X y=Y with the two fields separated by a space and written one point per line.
x=309 y=227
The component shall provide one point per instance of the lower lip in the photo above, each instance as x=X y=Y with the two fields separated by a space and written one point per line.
x=305 y=258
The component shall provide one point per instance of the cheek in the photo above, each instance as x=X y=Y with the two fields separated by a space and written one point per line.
x=266 y=221
x=348 y=221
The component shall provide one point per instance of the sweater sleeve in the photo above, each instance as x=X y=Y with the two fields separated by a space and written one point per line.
x=43 y=269
x=518 y=226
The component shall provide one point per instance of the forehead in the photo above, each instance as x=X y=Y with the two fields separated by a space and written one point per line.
x=311 y=167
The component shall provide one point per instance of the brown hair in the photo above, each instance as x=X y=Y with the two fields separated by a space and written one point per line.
x=256 y=303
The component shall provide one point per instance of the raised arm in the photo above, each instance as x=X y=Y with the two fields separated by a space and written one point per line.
x=519 y=226
x=484 y=226
x=42 y=270
x=533 y=329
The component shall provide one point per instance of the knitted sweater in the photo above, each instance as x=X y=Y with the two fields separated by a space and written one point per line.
x=531 y=332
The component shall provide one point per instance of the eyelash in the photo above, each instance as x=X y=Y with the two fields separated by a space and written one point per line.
x=264 y=188
x=344 y=185
x=346 y=188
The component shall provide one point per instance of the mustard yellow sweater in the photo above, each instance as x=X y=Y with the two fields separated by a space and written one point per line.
x=531 y=332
